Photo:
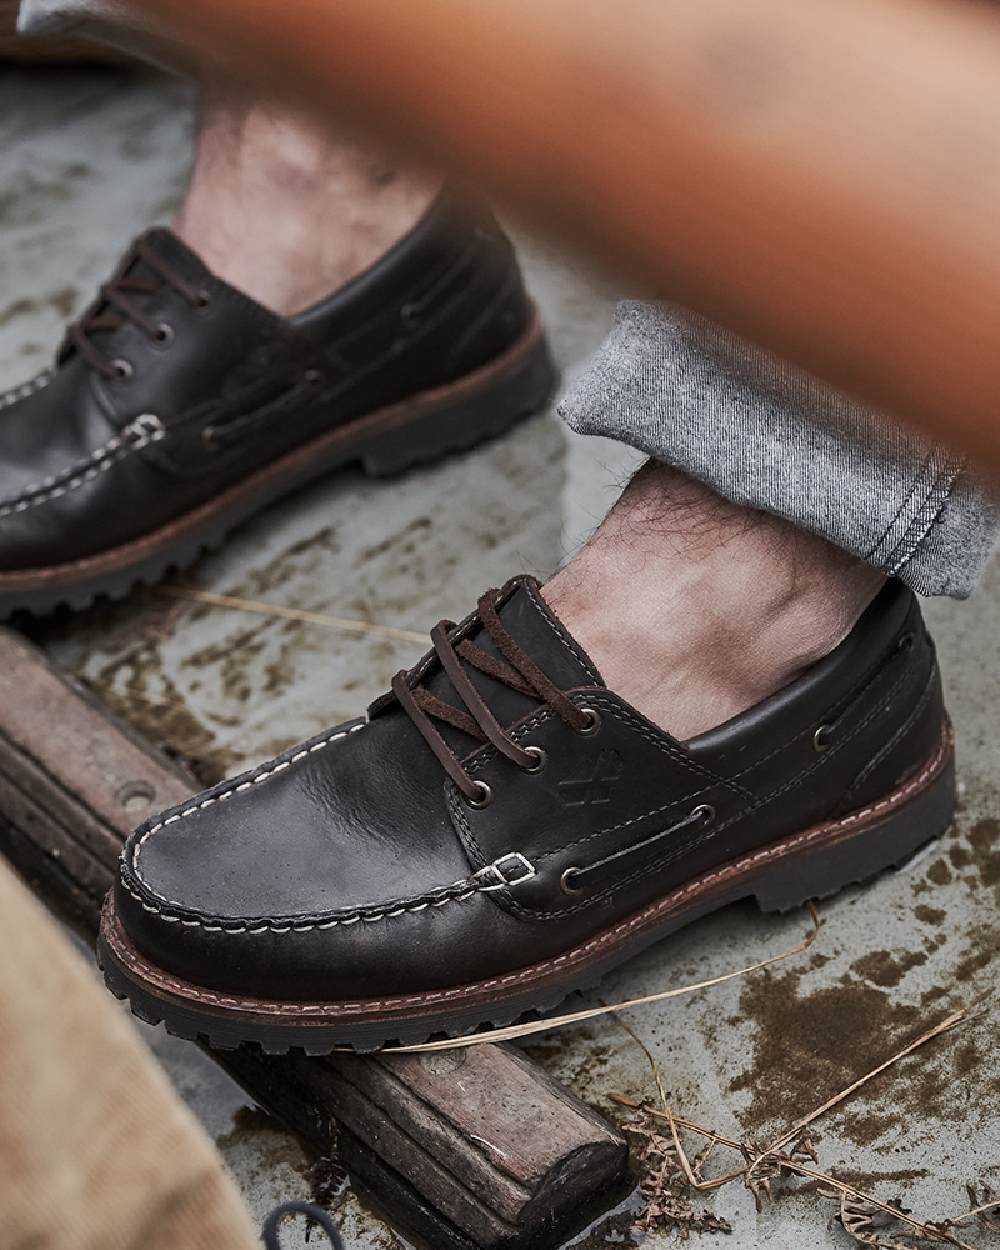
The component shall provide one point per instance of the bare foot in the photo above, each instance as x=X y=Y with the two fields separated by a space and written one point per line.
x=695 y=609
x=283 y=209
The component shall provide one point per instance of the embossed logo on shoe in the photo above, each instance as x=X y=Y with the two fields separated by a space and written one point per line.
x=596 y=788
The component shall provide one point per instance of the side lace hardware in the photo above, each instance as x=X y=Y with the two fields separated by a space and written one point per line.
x=823 y=735
x=575 y=880
x=515 y=669
x=510 y=869
x=114 y=308
x=271 y=1231
x=223 y=433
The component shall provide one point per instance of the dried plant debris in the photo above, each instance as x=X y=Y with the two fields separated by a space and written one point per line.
x=985 y=1203
x=670 y=1179
x=765 y=1168
x=665 y=1187
x=874 y=1225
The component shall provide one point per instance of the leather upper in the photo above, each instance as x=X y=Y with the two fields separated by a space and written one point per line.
x=352 y=865
x=90 y=462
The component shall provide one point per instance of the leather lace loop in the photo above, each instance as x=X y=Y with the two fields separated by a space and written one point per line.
x=515 y=669
x=113 y=308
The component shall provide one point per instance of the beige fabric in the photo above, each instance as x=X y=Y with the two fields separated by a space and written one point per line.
x=96 y=1150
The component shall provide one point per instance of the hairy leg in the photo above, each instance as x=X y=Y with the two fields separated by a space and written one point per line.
x=694 y=609
x=285 y=210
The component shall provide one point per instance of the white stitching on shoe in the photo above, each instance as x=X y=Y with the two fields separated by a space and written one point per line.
x=254 y=779
x=495 y=876
x=24 y=389
x=795 y=843
x=145 y=429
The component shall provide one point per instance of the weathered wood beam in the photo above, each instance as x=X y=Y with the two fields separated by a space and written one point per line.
x=479 y=1148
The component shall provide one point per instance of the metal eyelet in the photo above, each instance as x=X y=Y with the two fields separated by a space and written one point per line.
x=208 y=438
x=704 y=812
x=565 y=881
x=906 y=643
x=202 y=299
x=164 y=335
x=819 y=738
x=484 y=799
x=123 y=369
x=540 y=758
x=593 y=722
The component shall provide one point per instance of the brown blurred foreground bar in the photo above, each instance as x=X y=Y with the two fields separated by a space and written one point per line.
x=473 y=1148
x=822 y=176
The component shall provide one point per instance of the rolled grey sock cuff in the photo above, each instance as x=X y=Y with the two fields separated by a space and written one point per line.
x=767 y=435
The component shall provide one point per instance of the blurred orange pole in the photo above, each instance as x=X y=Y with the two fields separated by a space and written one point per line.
x=822 y=176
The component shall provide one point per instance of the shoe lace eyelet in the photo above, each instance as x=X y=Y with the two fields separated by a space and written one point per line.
x=164 y=335
x=704 y=812
x=123 y=369
x=208 y=438
x=821 y=738
x=593 y=722
x=202 y=299
x=566 y=881
x=313 y=377
x=484 y=796
x=540 y=758
x=906 y=642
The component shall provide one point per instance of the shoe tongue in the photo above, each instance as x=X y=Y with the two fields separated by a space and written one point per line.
x=172 y=249
x=529 y=621
x=186 y=264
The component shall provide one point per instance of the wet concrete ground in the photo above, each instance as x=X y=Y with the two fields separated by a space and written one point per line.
x=90 y=158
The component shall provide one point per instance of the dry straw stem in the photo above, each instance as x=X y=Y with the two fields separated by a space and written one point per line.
x=591 y=1013
x=939 y=1232
x=323 y=619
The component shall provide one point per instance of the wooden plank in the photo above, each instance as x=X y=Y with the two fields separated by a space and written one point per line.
x=480 y=1140
x=820 y=177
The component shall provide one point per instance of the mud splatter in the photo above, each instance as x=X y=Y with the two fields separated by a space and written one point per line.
x=809 y=1046
x=939 y=873
x=958 y=856
x=982 y=946
x=884 y=968
x=984 y=841
x=137 y=689
x=298 y=560
x=930 y=915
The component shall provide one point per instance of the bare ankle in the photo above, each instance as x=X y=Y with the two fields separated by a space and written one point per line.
x=695 y=609
x=287 y=212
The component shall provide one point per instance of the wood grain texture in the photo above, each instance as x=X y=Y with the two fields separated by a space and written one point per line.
x=821 y=176
x=481 y=1140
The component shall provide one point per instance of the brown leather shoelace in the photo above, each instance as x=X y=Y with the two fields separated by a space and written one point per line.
x=116 y=309
x=516 y=670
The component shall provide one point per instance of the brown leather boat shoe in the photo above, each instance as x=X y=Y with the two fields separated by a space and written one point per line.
x=502 y=829
x=179 y=407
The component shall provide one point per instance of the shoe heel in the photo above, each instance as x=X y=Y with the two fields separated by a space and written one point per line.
x=469 y=412
x=889 y=843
